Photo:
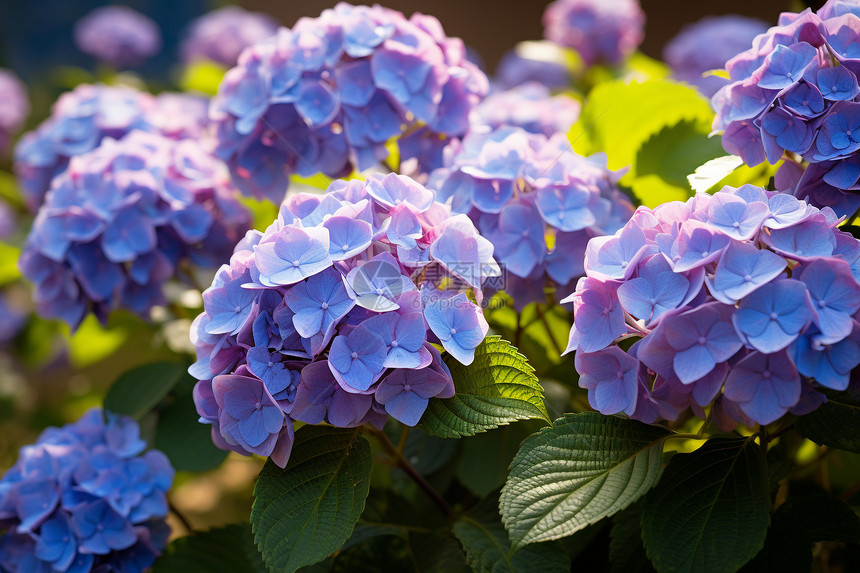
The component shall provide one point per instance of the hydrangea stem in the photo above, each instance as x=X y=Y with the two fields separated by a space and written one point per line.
x=404 y=465
x=182 y=519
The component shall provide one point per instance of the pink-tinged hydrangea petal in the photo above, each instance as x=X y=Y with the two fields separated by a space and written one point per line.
x=610 y=375
x=773 y=316
x=598 y=316
x=701 y=338
x=295 y=254
x=764 y=385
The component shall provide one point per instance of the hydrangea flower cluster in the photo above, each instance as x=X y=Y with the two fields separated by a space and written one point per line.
x=541 y=62
x=85 y=497
x=82 y=118
x=330 y=315
x=327 y=95
x=530 y=106
x=601 y=31
x=746 y=299
x=14 y=107
x=796 y=90
x=121 y=220
x=520 y=188
x=118 y=35
x=221 y=35
x=707 y=45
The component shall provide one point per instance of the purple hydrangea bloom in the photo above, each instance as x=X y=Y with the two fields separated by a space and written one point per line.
x=793 y=96
x=14 y=107
x=118 y=35
x=538 y=62
x=85 y=497
x=519 y=187
x=530 y=106
x=82 y=118
x=122 y=218
x=602 y=31
x=331 y=313
x=221 y=35
x=328 y=94
x=707 y=45
x=745 y=300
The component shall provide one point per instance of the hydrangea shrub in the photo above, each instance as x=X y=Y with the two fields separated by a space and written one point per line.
x=744 y=299
x=122 y=219
x=327 y=95
x=85 y=497
x=220 y=35
x=118 y=35
x=329 y=315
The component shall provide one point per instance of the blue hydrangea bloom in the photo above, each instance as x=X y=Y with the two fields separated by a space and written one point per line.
x=530 y=106
x=519 y=187
x=84 y=498
x=601 y=31
x=748 y=318
x=118 y=35
x=792 y=94
x=121 y=219
x=540 y=62
x=82 y=118
x=331 y=313
x=220 y=35
x=326 y=96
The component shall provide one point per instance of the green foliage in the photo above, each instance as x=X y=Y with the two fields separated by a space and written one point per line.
x=179 y=434
x=498 y=388
x=303 y=513
x=626 y=553
x=835 y=424
x=227 y=549
x=137 y=391
x=488 y=549
x=796 y=525
x=711 y=510
x=657 y=127
x=584 y=468
x=9 y=263
x=203 y=77
x=93 y=342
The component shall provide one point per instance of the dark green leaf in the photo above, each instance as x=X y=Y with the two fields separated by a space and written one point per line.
x=485 y=458
x=626 y=553
x=584 y=468
x=488 y=549
x=304 y=512
x=835 y=424
x=437 y=553
x=799 y=522
x=139 y=390
x=227 y=549
x=498 y=388
x=711 y=510
x=180 y=435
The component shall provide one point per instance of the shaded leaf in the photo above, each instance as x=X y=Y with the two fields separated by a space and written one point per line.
x=626 y=552
x=139 y=390
x=584 y=468
x=227 y=549
x=483 y=464
x=497 y=388
x=303 y=513
x=835 y=423
x=711 y=509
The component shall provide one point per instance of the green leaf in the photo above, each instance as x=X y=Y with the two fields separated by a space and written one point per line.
x=799 y=522
x=183 y=439
x=9 y=263
x=137 y=391
x=488 y=549
x=584 y=468
x=497 y=388
x=626 y=553
x=483 y=465
x=227 y=549
x=713 y=171
x=92 y=342
x=437 y=553
x=203 y=77
x=711 y=510
x=620 y=118
x=835 y=424
x=304 y=512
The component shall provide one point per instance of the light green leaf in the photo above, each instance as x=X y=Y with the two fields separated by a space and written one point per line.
x=305 y=512
x=137 y=391
x=9 y=264
x=227 y=549
x=497 y=388
x=202 y=76
x=711 y=510
x=618 y=118
x=182 y=438
x=831 y=423
x=584 y=468
x=488 y=549
x=92 y=342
